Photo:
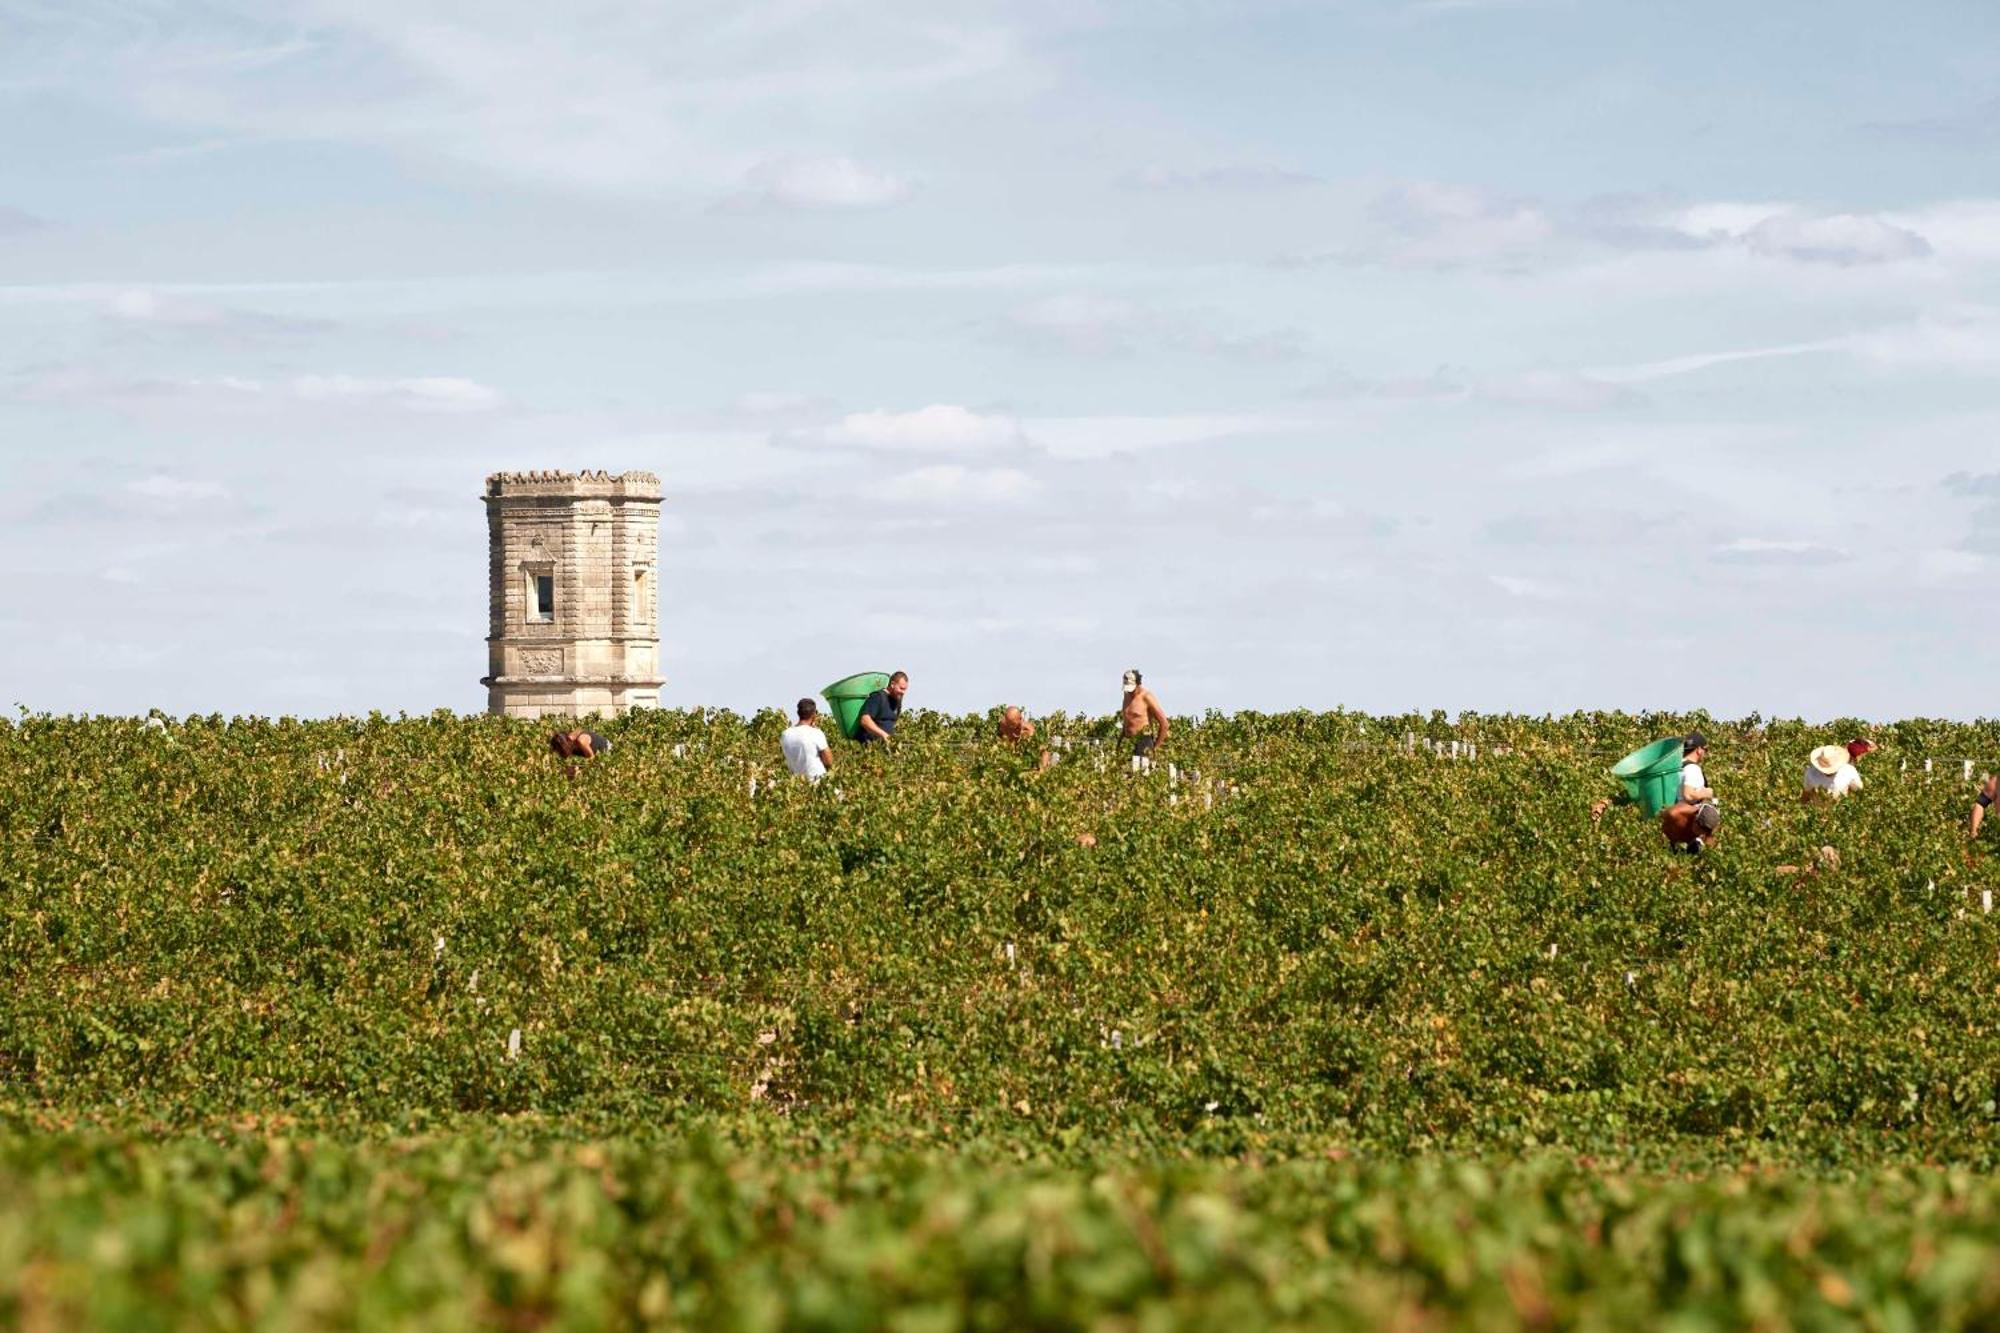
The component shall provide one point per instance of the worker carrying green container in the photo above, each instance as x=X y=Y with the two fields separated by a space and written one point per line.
x=1651 y=776
x=867 y=705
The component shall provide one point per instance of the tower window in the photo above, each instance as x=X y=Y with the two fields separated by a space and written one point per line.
x=642 y=595
x=541 y=596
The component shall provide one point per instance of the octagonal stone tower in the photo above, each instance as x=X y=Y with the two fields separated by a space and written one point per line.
x=571 y=561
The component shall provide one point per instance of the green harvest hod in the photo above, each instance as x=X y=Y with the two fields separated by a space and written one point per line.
x=845 y=697
x=1652 y=776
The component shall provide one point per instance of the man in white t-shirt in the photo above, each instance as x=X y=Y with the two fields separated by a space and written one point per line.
x=1830 y=769
x=804 y=745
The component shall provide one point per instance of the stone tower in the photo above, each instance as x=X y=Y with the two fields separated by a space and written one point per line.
x=571 y=562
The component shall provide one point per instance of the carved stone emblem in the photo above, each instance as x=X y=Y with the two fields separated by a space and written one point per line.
x=542 y=661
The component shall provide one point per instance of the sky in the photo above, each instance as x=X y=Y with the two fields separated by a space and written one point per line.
x=1504 y=355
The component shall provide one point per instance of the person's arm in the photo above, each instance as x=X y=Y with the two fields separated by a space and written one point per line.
x=1696 y=795
x=865 y=726
x=1160 y=723
x=583 y=746
x=825 y=755
x=1987 y=794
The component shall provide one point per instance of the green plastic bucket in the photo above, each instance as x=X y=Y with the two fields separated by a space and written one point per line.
x=1652 y=776
x=845 y=697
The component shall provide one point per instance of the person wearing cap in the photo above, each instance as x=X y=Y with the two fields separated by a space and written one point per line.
x=1141 y=718
x=1989 y=792
x=1830 y=769
x=1690 y=823
x=1694 y=789
x=1694 y=783
x=1690 y=826
x=804 y=745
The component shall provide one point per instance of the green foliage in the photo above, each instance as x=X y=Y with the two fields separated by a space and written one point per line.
x=1310 y=937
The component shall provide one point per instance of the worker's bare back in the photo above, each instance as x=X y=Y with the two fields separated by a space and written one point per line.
x=1139 y=711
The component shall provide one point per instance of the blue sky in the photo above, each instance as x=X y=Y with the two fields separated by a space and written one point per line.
x=1389 y=354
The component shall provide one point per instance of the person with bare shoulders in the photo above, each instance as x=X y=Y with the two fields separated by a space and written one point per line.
x=1690 y=826
x=1014 y=728
x=1140 y=711
x=1989 y=792
x=575 y=743
x=1014 y=725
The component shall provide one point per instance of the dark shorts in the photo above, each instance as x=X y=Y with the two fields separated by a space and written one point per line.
x=1143 y=743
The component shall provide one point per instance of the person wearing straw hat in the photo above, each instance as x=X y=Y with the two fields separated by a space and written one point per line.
x=1830 y=770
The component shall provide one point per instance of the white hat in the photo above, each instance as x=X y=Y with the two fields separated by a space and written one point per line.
x=1829 y=759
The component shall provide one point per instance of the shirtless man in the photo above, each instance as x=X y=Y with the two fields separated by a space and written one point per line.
x=1013 y=726
x=1140 y=711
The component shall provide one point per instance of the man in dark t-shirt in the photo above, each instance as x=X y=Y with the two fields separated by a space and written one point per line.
x=880 y=711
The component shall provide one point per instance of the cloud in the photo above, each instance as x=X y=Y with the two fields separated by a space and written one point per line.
x=1973 y=485
x=420 y=393
x=1561 y=390
x=1444 y=225
x=1435 y=224
x=1966 y=339
x=621 y=98
x=1534 y=590
x=1089 y=324
x=955 y=484
x=1766 y=551
x=818 y=183
x=1950 y=565
x=941 y=428
x=836 y=276
x=1838 y=238
x=1974 y=128
x=1582 y=527
x=1231 y=178
x=176 y=492
x=1565 y=391
x=143 y=309
x=423 y=393
x=14 y=222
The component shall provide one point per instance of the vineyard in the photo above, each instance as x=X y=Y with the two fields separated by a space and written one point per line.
x=1322 y=1021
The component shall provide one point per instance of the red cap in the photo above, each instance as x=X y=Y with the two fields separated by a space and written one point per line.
x=1855 y=749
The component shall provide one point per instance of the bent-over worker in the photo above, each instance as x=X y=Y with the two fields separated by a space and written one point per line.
x=578 y=744
x=1014 y=726
x=1989 y=792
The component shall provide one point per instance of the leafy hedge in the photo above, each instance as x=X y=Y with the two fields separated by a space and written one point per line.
x=400 y=1021
x=465 y=1230
x=1304 y=929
